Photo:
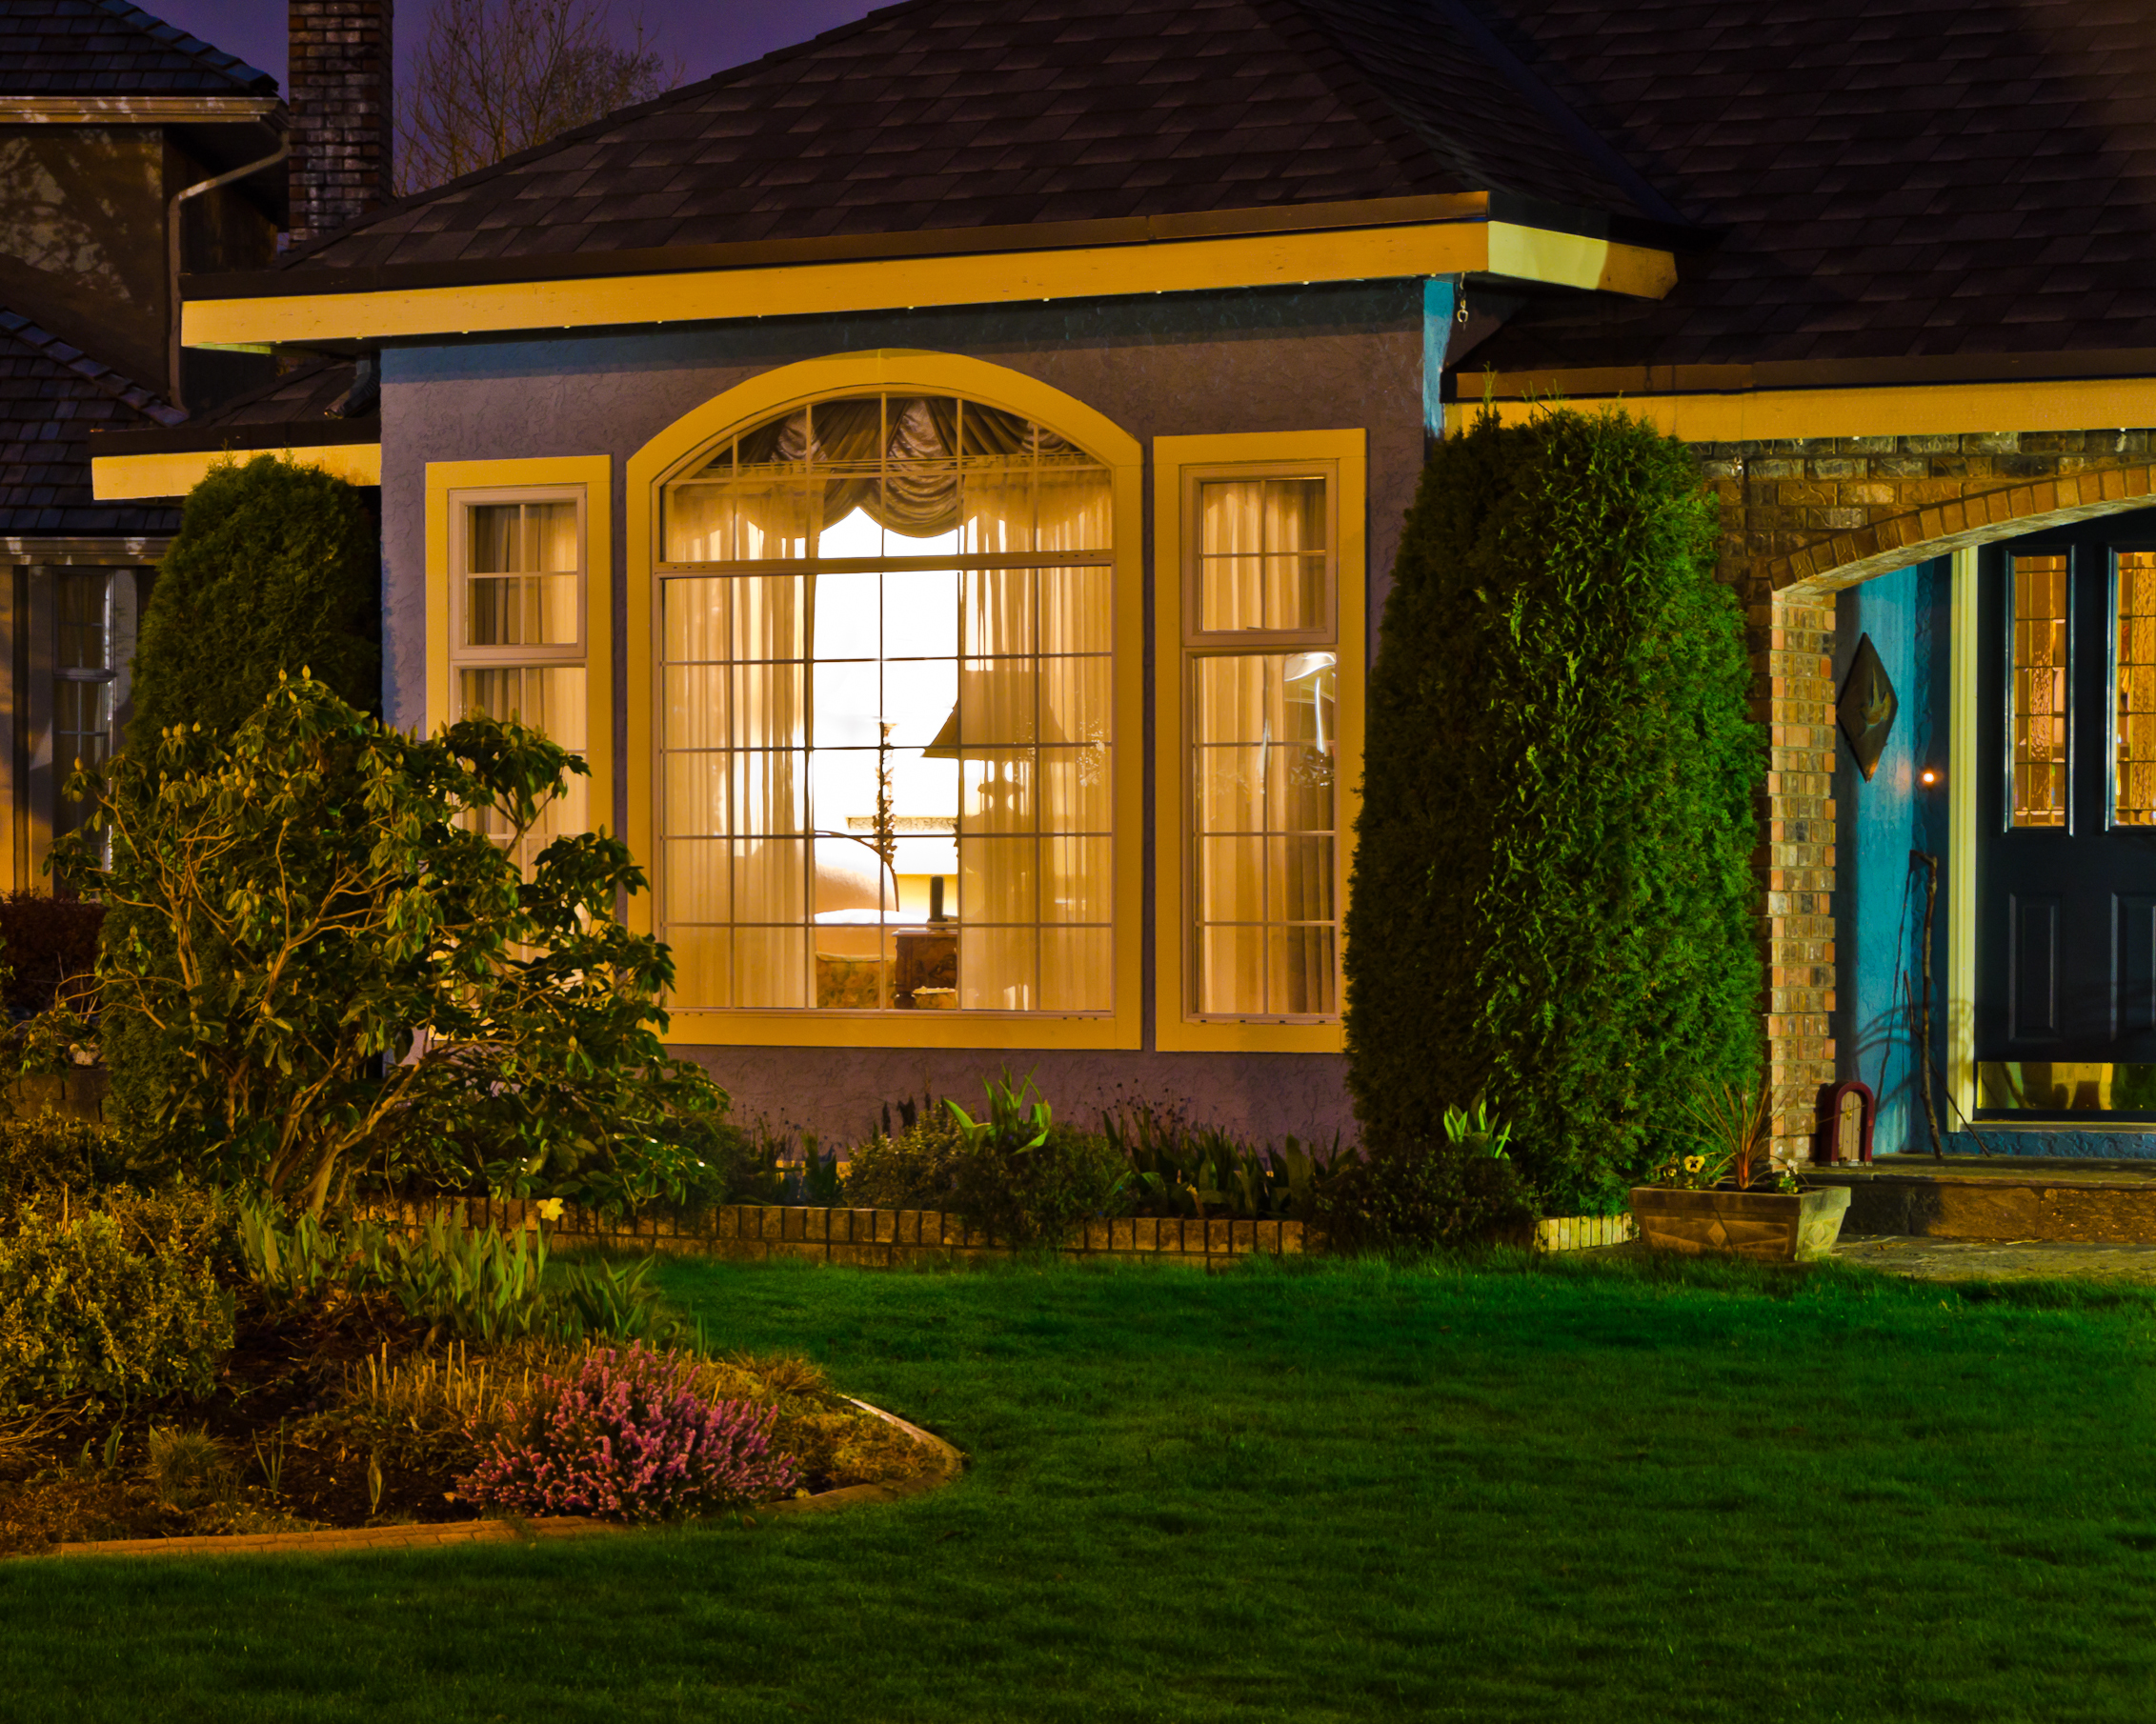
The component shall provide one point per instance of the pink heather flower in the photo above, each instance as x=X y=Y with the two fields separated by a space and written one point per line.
x=626 y=1438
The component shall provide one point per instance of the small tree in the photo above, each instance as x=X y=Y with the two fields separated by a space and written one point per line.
x=276 y=565
x=1552 y=902
x=345 y=976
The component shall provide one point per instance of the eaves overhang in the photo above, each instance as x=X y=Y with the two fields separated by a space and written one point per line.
x=1906 y=408
x=1474 y=233
x=1892 y=396
x=138 y=464
x=138 y=110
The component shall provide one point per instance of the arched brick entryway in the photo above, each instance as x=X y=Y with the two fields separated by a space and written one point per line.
x=1789 y=599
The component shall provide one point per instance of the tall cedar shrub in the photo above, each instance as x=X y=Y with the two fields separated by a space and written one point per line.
x=277 y=566
x=1552 y=898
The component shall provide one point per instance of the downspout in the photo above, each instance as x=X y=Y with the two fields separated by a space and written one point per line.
x=172 y=245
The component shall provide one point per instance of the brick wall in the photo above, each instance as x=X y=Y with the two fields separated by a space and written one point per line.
x=341 y=112
x=1800 y=520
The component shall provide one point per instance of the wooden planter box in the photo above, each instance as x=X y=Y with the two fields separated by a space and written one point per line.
x=1772 y=1227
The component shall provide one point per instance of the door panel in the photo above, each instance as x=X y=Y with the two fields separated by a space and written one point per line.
x=2034 y=964
x=2066 y=796
x=2135 y=915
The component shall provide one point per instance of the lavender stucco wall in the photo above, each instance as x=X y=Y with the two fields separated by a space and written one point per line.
x=1171 y=365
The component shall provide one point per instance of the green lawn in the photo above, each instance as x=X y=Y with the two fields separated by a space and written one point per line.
x=1325 y=1492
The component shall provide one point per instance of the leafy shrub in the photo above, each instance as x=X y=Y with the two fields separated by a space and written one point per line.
x=81 y=1314
x=629 y=1437
x=344 y=977
x=1407 y=1197
x=50 y=1150
x=916 y=1169
x=50 y=947
x=1026 y=1179
x=1552 y=902
x=1179 y=1169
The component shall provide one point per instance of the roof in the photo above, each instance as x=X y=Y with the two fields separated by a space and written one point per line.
x=53 y=396
x=953 y=114
x=108 y=48
x=326 y=402
x=1894 y=180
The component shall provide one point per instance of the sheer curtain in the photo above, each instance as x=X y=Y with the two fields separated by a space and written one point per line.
x=1262 y=729
x=775 y=895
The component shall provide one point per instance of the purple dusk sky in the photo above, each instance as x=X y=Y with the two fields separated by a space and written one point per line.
x=705 y=36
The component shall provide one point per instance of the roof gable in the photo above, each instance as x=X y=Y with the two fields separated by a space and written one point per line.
x=952 y=114
x=108 y=48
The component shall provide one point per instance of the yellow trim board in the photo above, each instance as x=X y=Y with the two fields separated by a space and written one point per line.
x=892 y=284
x=931 y=373
x=1960 y=840
x=1915 y=410
x=1173 y=1030
x=596 y=474
x=113 y=477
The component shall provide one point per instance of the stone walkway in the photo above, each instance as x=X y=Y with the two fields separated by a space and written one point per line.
x=2000 y=1259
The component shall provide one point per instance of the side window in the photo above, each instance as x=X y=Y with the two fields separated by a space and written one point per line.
x=1260 y=618
x=518 y=625
x=85 y=681
x=1261 y=703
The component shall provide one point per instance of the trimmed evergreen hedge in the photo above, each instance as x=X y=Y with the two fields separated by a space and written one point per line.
x=276 y=566
x=1553 y=899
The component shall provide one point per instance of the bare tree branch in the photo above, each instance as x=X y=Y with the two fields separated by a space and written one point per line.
x=496 y=76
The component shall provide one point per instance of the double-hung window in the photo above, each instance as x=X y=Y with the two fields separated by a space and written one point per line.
x=518 y=615
x=1260 y=701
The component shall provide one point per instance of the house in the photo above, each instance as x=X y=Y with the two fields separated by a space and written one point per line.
x=944 y=476
x=128 y=151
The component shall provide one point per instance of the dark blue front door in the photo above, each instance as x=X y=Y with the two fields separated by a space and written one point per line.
x=2067 y=817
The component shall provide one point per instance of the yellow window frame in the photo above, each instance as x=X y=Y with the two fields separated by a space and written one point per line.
x=665 y=457
x=450 y=483
x=1179 y=463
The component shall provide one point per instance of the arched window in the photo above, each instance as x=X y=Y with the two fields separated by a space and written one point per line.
x=885 y=638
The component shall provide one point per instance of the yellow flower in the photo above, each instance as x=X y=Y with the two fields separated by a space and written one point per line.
x=1694 y=1163
x=549 y=1209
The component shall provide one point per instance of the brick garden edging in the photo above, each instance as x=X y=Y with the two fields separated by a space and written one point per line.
x=949 y=1463
x=878 y=1238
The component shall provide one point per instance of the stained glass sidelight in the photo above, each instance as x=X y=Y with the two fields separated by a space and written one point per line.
x=2133 y=759
x=2038 y=690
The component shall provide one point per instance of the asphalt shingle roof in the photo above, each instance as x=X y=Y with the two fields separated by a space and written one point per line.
x=1883 y=180
x=53 y=396
x=1894 y=179
x=54 y=47
x=964 y=114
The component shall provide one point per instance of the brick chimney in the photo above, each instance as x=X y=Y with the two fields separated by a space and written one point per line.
x=341 y=112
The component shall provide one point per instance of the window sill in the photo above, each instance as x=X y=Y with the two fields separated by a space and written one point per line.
x=840 y=1028
x=1249 y=1035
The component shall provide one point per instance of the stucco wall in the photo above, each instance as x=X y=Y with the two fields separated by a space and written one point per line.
x=1175 y=365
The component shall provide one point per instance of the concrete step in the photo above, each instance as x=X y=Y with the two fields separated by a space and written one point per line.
x=2017 y=1198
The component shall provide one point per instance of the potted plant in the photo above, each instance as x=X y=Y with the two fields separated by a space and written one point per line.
x=1725 y=1196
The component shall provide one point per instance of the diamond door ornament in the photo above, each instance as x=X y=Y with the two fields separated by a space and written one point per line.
x=1867 y=708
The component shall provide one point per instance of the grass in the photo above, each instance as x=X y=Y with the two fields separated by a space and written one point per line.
x=1489 y=1492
